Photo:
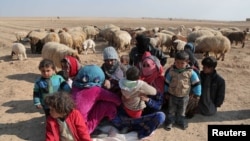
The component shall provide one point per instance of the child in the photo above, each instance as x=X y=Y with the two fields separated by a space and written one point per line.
x=179 y=81
x=47 y=84
x=132 y=88
x=213 y=88
x=64 y=121
x=67 y=84
x=124 y=59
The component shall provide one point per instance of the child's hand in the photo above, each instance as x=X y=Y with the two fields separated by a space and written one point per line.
x=144 y=98
x=39 y=106
x=107 y=84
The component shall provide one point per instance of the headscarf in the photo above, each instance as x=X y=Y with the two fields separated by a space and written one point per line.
x=113 y=71
x=152 y=73
x=73 y=65
x=89 y=76
x=142 y=43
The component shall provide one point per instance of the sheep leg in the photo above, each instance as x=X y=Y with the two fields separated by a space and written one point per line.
x=93 y=48
x=86 y=51
x=243 y=44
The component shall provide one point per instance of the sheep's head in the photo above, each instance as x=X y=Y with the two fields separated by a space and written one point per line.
x=13 y=53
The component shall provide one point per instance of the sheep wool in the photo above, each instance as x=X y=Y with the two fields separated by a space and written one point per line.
x=56 y=52
x=19 y=50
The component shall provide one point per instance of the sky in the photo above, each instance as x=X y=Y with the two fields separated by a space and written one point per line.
x=224 y=10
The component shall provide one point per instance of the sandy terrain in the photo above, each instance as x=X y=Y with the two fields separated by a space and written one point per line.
x=20 y=120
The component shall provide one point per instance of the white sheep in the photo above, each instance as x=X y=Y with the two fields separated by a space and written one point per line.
x=89 y=43
x=65 y=38
x=179 y=44
x=91 y=31
x=164 y=40
x=78 y=38
x=56 y=52
x=19 y=51
x=51 y=37
x=20 y=35
x=196 y=34
x=177 y=30
x=121 y=40
x=216 y=44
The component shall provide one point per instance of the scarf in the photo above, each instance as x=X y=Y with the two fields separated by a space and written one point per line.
x=73 y=65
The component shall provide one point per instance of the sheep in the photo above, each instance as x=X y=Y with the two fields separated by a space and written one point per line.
x=177 y=46
x=122 y=40
x=89 y=43
x=20 y=35
x=56 y=51
x=164 y=40
x=107 y=34
x=91 y=31
x=216 y=44
x=78 y=38
x=35 y=38
x=196 y=34
x=237 y=36
x=18 y=50
x=51 y=37
x=177 y=30
x=65 y=38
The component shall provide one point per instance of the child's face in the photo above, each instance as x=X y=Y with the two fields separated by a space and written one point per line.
x=207 y=70
x=181 y=64
x=124 y=61
x=47 y=72
x=54 y=114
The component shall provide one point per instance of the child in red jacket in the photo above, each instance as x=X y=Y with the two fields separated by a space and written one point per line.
x=64 y=121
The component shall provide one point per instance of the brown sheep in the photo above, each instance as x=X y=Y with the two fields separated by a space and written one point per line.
x=238 y=36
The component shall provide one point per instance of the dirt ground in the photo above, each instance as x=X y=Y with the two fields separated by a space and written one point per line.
x=20 y=120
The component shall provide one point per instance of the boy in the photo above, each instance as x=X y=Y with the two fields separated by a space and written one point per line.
x=132 y=88
x=213 y=88
x=179 y=81
x=47 y=84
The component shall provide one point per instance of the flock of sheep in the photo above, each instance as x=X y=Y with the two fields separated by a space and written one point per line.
x=54 y=44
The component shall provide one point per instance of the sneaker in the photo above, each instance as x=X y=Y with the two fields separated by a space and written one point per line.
x=168 y=127
x=184 y=127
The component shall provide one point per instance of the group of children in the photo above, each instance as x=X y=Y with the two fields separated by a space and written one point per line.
x=138 y=87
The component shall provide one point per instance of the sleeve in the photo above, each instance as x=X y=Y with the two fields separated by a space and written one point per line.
x=161 y=56
x=195 y=84
x=81 y=126
x=220 y=93
x=167 y=81
x=106 y=95
x=50 y=130
x=147 y=89
x=64 y=86
x=132 y=56
x=155 y=102
x=36 y=94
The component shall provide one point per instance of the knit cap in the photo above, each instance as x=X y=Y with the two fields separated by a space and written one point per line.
x=89 y=76
x=110 y=53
